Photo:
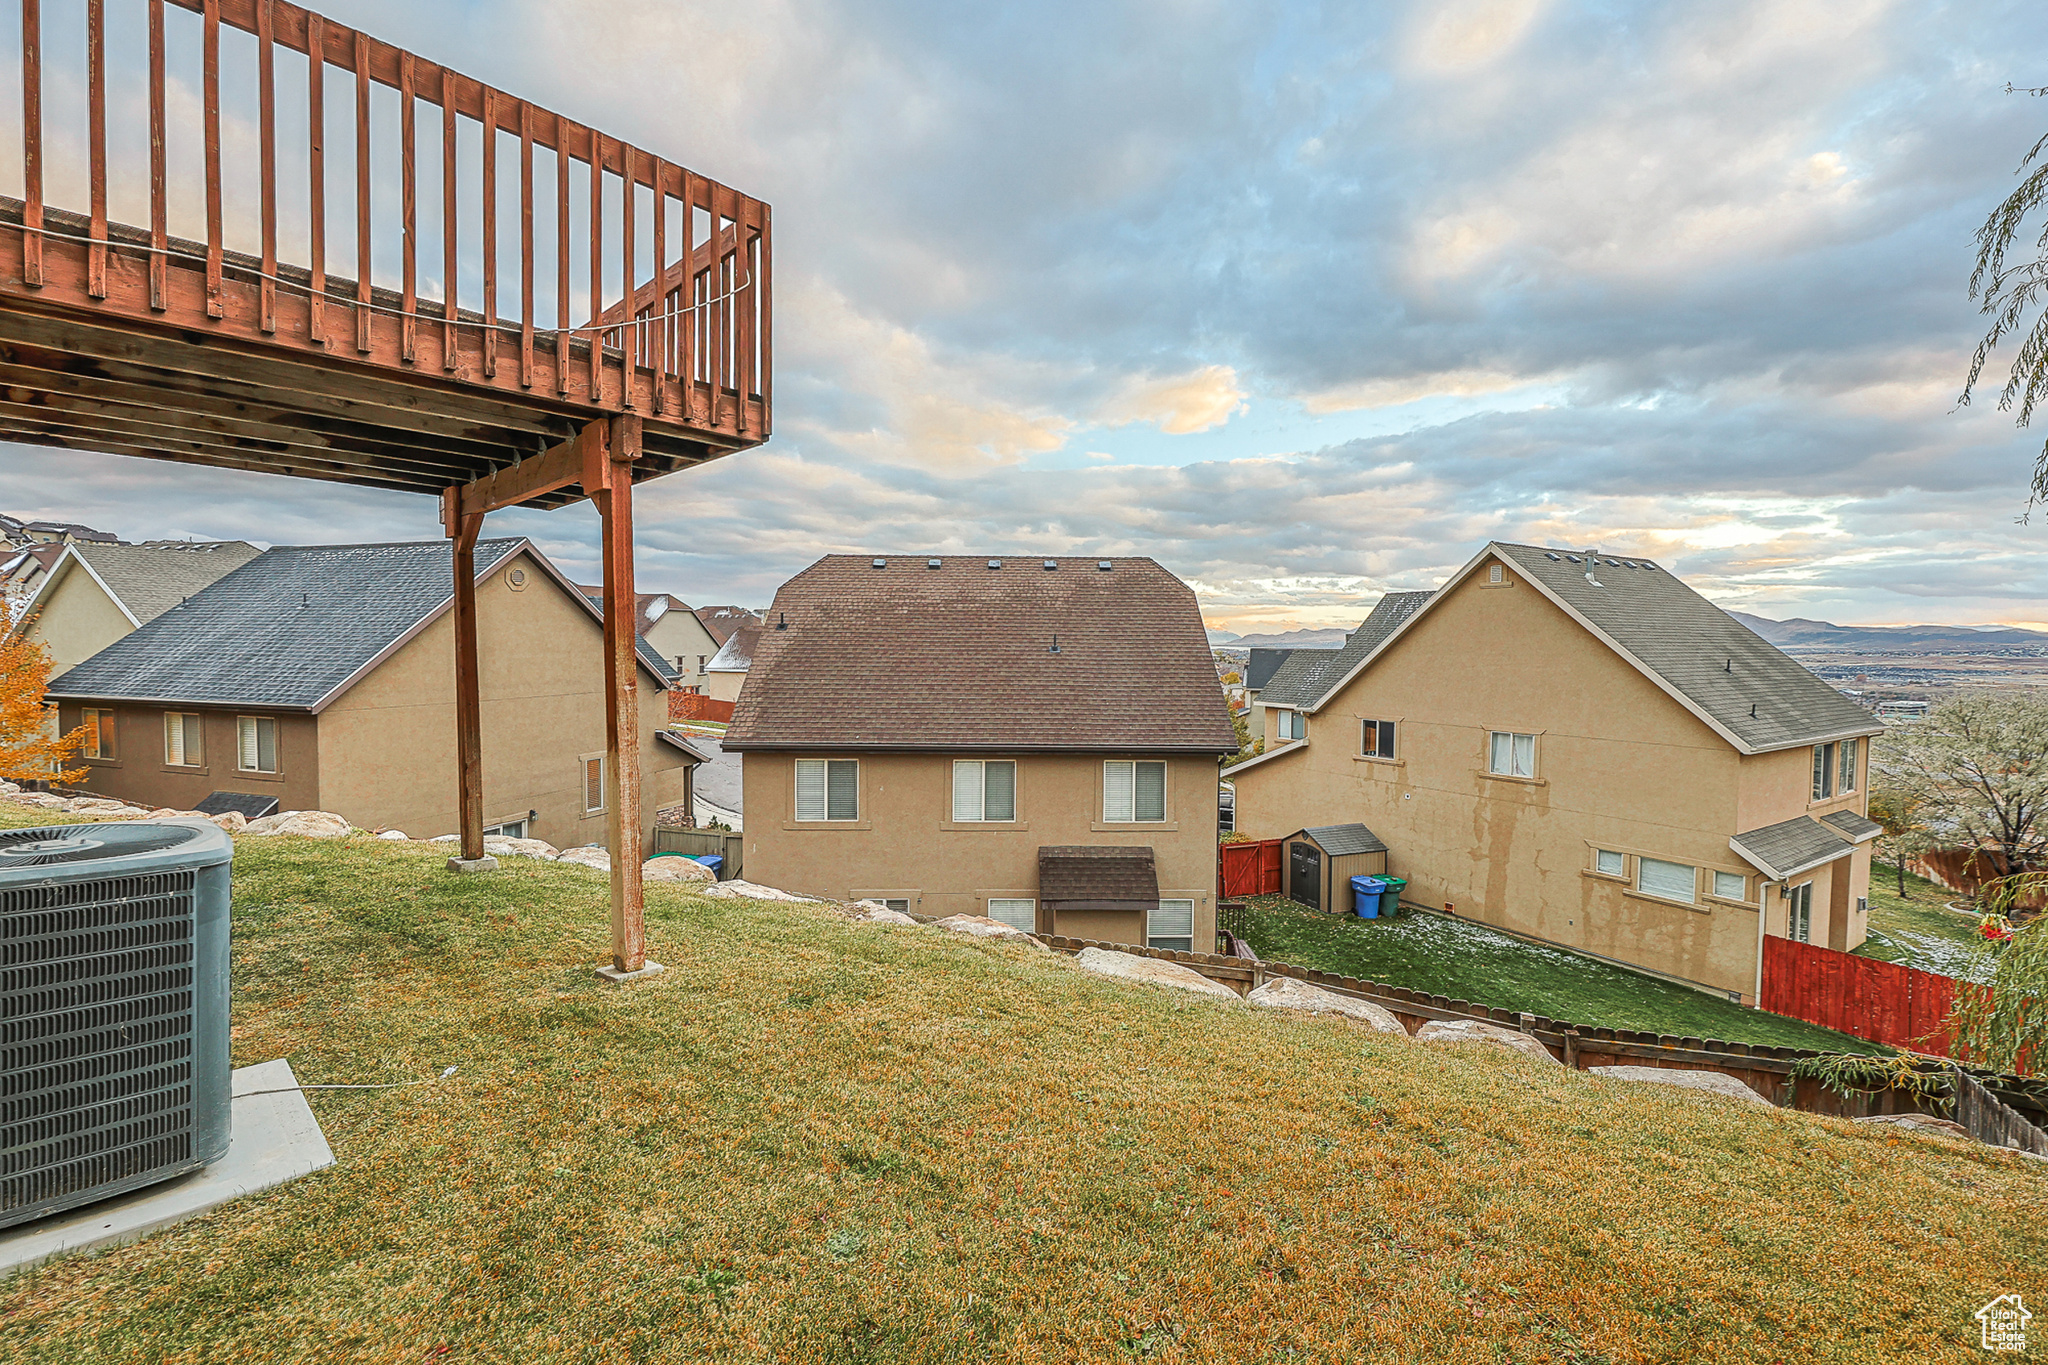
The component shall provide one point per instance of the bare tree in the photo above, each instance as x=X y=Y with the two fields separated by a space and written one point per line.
x=2009 y=291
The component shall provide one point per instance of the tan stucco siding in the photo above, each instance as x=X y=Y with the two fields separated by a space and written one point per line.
x=906 y=842
x=683 y=642
x=389 y=742
x=76 y=620
x=724 y=684
x=1619 y=765
x=139 y=774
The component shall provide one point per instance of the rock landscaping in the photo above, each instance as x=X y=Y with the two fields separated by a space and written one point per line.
x=1713 y=1082
x=1155 y=971
x=1455 y=1031
x=980 y=926
x=1285 y=993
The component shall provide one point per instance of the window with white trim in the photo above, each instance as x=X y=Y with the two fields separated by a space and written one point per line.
x=827 y=789
x=593 y=784
x=1376 y=738
x=1799 y=913
x=1016 y=912
x=184 y=746
x=1511 y=755
x=1731 y=886
x=511 y=829
x=99 y=733
x=1133 y=791
x=1672 y=881
x=1608 y=863
x=1846 y=769
x=984 y=789
x=256 y=744
x=1171 y=925
x=1293 y=724
x=1823 y=771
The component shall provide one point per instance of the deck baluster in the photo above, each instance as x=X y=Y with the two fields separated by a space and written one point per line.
x=490 y=152
x=316 y=179
x=525 y=245
x=159 y=210
x=449 y=245
x=96 y=136
x=210 y=119
x=266 y=116
x=408 y=193
x=32 y=143
x=362 y=193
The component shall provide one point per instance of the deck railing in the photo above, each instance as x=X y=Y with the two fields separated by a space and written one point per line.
x=664 y=270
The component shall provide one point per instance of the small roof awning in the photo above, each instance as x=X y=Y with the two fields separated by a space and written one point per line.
x=1792 y=846
x=1849 y=823
x=676 y=741
x=250 y=805
x=1087 y=877
x=1341 y=841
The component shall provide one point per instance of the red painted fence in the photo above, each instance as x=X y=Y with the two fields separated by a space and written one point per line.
x=1249 y=869
x=697 y=706
x=1880 y=1001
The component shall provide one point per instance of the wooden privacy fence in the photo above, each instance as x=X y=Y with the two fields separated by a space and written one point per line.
x=1249 y=869
x=697 y=706
x=695 y=843
x=1880 y=1001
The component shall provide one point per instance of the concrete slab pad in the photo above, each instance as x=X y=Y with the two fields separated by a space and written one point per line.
x=274 y=1138
x=612 y=974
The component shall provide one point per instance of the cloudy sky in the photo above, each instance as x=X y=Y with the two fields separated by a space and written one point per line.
x=1305 y=301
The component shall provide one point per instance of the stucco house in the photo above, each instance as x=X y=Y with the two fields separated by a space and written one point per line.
x=1581 y=749
x=672 y=632
x=1044 y=752
x=322 y=677
x=725 y=676
x=94 y=593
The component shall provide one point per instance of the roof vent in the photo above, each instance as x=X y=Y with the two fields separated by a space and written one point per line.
x=782 y=620
x=1553 y=558
x=1102 y=564
x=1613 y=563
x=1055 y=643
x=1646 y=564
x=995 y=563
x=881 y=563
x=1752 y=710
x=1573 y=558
x=931 y=563
x=1051 y=564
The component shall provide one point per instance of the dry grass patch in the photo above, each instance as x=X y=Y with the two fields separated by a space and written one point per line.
x=810 y=1141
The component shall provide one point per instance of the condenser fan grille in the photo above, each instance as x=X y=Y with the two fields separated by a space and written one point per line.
x=71 y=843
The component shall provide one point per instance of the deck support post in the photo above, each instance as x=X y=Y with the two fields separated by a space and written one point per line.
x=462 y=528
x=612 y=491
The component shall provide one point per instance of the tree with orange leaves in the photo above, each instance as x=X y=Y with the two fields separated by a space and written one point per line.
x=28 y=749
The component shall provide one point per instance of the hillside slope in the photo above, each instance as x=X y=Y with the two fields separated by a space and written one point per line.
x=812 y=1141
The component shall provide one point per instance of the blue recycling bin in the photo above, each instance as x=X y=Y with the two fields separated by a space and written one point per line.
x=1366 y=893
x=714 y=861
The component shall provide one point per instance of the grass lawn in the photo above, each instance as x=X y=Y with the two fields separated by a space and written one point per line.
x=1468 y=961
x=811 y=1141
x=1913 y=929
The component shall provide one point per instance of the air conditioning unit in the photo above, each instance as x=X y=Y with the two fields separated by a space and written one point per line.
x=113 y=1009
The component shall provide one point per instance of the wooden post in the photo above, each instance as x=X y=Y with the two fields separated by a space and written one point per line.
x=622 y=696
x=463 y=529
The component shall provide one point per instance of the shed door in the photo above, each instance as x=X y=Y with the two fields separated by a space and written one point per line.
x=1305 y=874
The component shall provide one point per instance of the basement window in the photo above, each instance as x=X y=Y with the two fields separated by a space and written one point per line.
x=255 y=744
x=1171 y=925
x=593 y=784
x=1016 y=912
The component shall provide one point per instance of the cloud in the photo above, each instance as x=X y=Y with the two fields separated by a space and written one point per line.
x=1178 y=405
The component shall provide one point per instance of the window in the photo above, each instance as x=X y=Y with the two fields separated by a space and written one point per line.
x=593 y=783
x=1608 y=863
x=99 y=733
x=1511 y=755
x=901 y=904
x=256 y=744
x=1172 y=926
x=1376 y=738
x=1731 y=886
x=183 y=746
x=828 y=789
x=1672 y=881
x=1847 y=783
x=1799 y=914
x=1293 y=724
x=1133 y=792
x=1823 y=771
x=511 y=829
x=984 y=790
x=1493 y=573
x=1018 y=914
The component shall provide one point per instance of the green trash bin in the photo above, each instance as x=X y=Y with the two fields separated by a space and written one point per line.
x=1390 y=899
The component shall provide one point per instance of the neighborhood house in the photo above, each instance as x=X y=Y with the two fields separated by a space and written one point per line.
x=1581 y=749
x=1044 y=752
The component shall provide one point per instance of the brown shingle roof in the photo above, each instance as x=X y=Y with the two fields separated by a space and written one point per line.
x=959 y=657
x=723 y=621
x=1084 y=876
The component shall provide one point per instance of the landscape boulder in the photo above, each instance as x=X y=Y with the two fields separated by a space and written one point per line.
x=8 y=788
x=1490 y=1035
x=1153 y=970
x=500 y=846
x=1922 y=1123
x=590 y=856
x=310 y=824
x=1285 y=993
x=675 y=870
x=233 y=821
x=981 y=926
x=44 y=800
x=874 y=912
x=397 y=835
x=750 y=891
x=95 y=805
x=1713 y=1082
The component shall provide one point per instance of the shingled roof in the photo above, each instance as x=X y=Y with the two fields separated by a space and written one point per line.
x=961 y=657
x=1309 y=674
x=148 y=580
x=290 y=630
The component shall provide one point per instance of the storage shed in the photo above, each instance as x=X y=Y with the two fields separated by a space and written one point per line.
x=1322 y=861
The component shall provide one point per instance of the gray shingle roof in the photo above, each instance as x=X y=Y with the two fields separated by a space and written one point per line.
x=1853 y=825
x=1709 y=658
x=284 y=630
x=1343 y=840
x=1262 y=664
x=1309 y=674
x=151 y=579
x=1791 y=846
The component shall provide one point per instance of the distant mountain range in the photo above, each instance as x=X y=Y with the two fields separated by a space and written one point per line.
x=1800 y=633
x=1293 y=639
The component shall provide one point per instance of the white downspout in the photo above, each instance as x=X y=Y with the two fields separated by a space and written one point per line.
x=1763 y=908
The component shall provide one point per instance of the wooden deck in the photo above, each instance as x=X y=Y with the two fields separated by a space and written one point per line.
x=123 y=338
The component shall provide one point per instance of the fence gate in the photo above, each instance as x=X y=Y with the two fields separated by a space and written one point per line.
x=1249 y=869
